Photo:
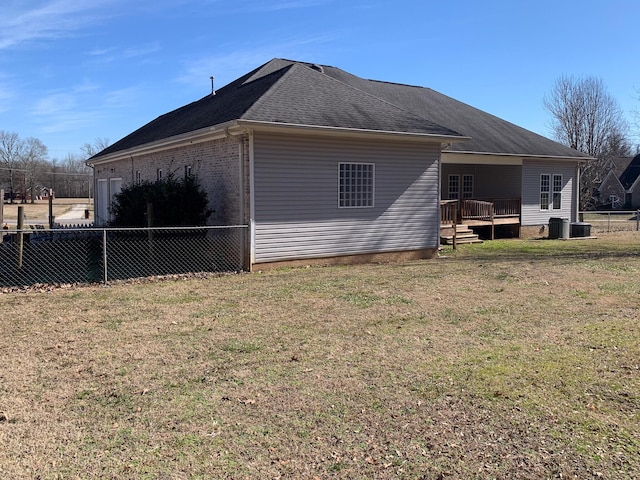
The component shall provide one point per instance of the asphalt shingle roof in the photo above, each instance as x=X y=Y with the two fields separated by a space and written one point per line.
x=631 y=173
x=489 y=134
x=290 y=92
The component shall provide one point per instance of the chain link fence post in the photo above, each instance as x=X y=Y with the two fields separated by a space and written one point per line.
x=104 y=255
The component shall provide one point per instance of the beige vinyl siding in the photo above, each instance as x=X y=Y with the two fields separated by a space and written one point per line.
x=296 y=198
x=531 y=171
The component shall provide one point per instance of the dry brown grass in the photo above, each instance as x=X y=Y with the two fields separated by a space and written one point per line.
x=39 y=210
x=515 y=359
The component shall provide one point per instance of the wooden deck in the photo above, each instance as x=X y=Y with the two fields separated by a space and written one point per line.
x=495 y=221
x=478 y=213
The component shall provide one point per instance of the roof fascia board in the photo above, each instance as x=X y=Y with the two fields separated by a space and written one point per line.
x=240 y=126
x=297 y=128
x=479 y=159
x=523 y=156
x=207 y=134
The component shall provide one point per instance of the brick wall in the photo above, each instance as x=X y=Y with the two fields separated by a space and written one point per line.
x=216 y=163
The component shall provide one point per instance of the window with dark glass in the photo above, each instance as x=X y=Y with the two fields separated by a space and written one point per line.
x=355 y=184
x=545 y=189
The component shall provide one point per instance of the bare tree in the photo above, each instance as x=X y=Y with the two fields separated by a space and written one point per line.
x=636 y=123
x=585 y=117
x=74 y=177
x=71 y=176
x=99 y=144
x=33 y=159
x=10 y=157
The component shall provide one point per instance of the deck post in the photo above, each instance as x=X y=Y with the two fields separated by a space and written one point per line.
x=455 y=227
x=20 y=235
x=493 y=226
x=1 y=214
x=51 y=217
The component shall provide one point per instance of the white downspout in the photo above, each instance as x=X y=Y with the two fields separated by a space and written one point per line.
x=439 y=199
x=576 y=210
x=252 y=202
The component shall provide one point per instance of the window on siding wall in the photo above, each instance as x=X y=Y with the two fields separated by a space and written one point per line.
x=550 y=192
x=454 y=187
x=545 y=188
x=356 y=184
x=138 y=176
x=187 y=171
x=467 y=186
x=557 y=192
x=159 y=174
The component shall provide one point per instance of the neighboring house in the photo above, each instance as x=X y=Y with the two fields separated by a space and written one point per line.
x=323 y=164
x=611 y=193
x=630 y=180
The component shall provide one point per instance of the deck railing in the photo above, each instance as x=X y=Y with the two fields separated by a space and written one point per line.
x=448 y=212
x=453 y=212
x=476 y=210
x=506 y=207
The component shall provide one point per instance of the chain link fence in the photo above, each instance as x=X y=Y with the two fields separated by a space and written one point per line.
x=89 y=255
x=612 y=220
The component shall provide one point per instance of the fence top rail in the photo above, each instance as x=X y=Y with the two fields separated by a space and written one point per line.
x=122 y=229
x=146 y=229
x=609 y=212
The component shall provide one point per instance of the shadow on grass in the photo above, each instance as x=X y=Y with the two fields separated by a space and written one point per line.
x=545 y=249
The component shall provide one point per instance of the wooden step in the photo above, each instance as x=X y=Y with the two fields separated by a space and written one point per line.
x=459 y=228
x=460 y=241
x=464 y=235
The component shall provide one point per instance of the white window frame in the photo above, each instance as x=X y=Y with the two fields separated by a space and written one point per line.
x=556 y=191
x=356 y=185
x=467 y=192
x=551 y=191
x=545 y=191
x=453 y=181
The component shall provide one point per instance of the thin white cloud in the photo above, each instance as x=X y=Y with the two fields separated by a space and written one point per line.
x=141 y=50
x=53 y=104
x=254 y=6
x=23 y=21
x=87 y=86
x=113 y=54
x=101 y=52
x=83 y=105
x=122 y=98
x=289 y=5
x=7 y=95
x=227 y=67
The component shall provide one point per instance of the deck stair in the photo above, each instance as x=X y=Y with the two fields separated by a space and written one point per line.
x=464 y=235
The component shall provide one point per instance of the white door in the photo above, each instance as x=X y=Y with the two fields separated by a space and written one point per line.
x=102 y=202
x=115 y=185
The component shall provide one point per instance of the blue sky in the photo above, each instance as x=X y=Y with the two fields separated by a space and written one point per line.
x=75 y=70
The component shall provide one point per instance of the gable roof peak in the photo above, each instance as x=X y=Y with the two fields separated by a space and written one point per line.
x=631 y=173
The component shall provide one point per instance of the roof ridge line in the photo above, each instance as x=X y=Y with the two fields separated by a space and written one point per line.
x=371 y=95
x=262 y=98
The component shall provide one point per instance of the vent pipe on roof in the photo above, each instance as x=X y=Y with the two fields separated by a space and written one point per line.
x=213 y=91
